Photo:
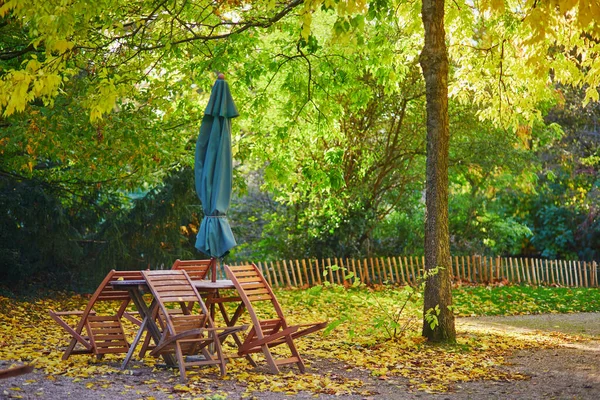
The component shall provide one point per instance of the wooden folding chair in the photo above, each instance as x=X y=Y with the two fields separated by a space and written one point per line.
x=103 y=333
x=185 y=333
x=196 y=269
x=266 y=333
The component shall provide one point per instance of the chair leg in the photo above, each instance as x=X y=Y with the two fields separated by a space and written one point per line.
x=239 y=344
x=69 y=349
x=269 y=358
x=295 y=353
x=219 y=354
x=180 y=361
x=251 y=360
x=207 y=354
x=73 y=343
x=145 y=345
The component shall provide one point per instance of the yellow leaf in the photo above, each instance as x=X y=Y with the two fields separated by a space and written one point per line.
x=181 y=388
x=497 y=5
x=62 y=45
x=566 y=5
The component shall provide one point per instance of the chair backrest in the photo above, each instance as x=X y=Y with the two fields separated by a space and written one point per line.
x=105 y=291
x=173 y=290
x=196 y=269
x=253 y=287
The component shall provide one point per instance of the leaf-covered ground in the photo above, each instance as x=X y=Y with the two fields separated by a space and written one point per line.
x=376 y=332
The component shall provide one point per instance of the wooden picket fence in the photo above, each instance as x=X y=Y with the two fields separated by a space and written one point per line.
x=407 y=270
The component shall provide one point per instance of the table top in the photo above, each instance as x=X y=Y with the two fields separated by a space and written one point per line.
x=204 y=284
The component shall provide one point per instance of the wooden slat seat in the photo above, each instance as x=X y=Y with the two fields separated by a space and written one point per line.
x=103 y=333
x=267 y=333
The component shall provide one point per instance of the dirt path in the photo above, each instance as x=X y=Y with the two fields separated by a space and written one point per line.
x=571 y=371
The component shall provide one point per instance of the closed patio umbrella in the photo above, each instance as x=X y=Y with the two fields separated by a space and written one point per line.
x=213 y=172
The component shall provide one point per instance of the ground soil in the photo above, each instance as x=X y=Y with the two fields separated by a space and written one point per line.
x=571 y=371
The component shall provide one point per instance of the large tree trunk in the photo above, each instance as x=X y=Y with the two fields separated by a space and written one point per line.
x=434 y=62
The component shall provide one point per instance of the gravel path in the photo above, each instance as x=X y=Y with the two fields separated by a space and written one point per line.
x=571 y=371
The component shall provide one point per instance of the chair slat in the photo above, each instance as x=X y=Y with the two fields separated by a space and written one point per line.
x=256 y=291
x=263 y=297
x=257 y=285
x=177 y=299
x=254 y=279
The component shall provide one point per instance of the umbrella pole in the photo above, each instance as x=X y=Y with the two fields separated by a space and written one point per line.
x=213 y=269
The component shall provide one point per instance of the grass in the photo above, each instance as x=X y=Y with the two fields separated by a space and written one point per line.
x=391 y=312
x=516 y=300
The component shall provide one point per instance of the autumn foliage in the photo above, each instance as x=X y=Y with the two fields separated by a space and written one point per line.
x=28 y=335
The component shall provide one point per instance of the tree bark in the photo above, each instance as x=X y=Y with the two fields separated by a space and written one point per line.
x=434 y=62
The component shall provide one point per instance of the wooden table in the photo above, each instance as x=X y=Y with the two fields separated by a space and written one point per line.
x=210 y=290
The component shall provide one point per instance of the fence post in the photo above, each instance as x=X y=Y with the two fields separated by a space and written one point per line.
x=300 y=280
x=579 y=272
x=389 y=263
x=406 y=269
x=401 y=267
x=310 y=269
x=366 y=271
x=291 y=268
x=457 y=263
x=373 y=273
x=272 y=268
x=305 y=271
x=561 y=272
x=396 y=270
x=412 y=271
x=336 y=275
x=382 y=276
x=265 y=272
x=329 y=272
x=527 y=273
x=343 y=270
x=585 y=274
x=284 y=273
x=318 y=271
x=356 y=276
x=265 y=268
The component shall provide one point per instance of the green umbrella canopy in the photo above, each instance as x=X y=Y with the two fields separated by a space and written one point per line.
x=214 y=171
